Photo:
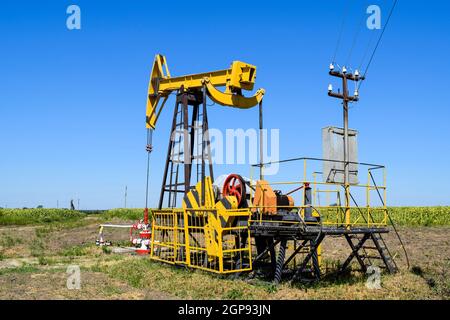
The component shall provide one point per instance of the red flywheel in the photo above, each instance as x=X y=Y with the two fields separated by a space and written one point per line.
x=234 y=185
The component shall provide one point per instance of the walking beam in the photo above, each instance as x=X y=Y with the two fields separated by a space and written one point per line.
x=240 y=76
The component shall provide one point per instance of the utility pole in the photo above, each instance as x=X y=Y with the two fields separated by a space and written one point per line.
x=346 y=98
x=126 y=187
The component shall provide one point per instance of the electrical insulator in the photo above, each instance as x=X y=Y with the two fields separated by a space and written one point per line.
x=331 y=67
x=357 y=73
x=330 y=88
x=356 y=93
x=344 y=70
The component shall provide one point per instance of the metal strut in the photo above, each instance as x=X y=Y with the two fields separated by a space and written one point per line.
x=312 y=255
x=188 y=144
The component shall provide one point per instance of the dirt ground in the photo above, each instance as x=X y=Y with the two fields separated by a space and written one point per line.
x=427 y=247
x=34 y=261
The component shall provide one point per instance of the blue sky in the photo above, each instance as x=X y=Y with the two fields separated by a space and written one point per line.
x=72 y=103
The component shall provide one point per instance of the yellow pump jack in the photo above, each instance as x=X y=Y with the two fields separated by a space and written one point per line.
x=204 y=229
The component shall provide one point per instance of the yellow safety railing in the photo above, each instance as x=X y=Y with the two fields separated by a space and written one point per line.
x=332 y=211
x=168 y=238
x=194 y=238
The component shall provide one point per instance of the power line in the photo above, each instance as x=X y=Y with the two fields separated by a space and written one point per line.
x=341 y=31
x=360 y=26
x=381 y=36
x=367 y=50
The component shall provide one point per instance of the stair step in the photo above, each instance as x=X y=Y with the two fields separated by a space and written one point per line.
x=371 y=257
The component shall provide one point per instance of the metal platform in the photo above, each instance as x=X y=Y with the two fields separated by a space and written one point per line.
x=308 y=239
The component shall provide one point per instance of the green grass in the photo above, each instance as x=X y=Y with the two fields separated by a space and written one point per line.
x=124 y=214
x=44 y=261
x=183 y=283
x=48 y=228
x=106 y=250
x=75 y=251
x=110 y=290
x=196 y=284
x=8 y=241
x=37 y=248
x=63 y=216
x=37 y=216
x=26 y=268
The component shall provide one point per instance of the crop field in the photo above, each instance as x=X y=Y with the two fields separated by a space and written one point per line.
x=37 y=246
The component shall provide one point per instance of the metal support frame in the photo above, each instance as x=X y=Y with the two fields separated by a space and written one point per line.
x=295 y=253
x=355 y=250
x=365 y=260
x=312 y=255
x=171 y=184
x=310 y=240
x=268 y=249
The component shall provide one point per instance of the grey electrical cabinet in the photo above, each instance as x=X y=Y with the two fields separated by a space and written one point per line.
x=333 y=149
